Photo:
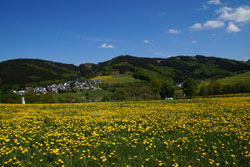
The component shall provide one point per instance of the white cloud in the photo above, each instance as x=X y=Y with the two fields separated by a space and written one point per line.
x=194 y=41
x=240 y=14
x=196 y=26
x=224 y=9
x=207 y=25
x=174 y=31
x=105 y=45
x=146 y=41
x=214 y=2
x=232 y=28
x=234 y=17
x=213 y=24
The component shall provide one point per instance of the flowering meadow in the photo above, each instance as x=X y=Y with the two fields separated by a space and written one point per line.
x=196 y=132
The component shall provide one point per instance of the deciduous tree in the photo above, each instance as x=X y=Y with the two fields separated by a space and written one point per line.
x=189 y=87
x=167 y=90
x=120 y=94
x=155 y=85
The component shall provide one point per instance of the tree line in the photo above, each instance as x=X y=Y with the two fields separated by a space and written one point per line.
x=140 y=90
x=155 y=89
x=216 y=88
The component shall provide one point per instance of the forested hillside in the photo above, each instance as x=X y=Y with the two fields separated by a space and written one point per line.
x=26 y=71
x=41 y=72
x=178 y=68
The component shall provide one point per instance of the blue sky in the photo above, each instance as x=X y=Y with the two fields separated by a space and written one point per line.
x=80 y=31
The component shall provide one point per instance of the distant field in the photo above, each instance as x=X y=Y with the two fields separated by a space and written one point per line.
x=194 y=132
x=113 y=79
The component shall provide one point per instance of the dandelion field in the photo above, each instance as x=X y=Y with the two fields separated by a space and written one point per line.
x=198 y=132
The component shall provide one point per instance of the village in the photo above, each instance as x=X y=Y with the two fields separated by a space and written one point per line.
x=62 y=87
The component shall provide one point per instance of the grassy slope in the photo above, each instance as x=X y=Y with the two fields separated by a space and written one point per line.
x=243 y=78
x=240 y=78
x=113 y=79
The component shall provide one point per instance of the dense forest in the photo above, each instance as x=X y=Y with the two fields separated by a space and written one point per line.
x=35 y=72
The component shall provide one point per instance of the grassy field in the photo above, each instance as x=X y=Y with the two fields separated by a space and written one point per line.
x=196 y=132
x=80 y=96
x=114 y=79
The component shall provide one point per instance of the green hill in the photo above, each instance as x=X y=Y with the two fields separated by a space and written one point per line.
x=178 y=68
x=240 y=78
x=122 y=68
x=27 y=71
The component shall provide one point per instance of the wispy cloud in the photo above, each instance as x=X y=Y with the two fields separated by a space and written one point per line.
x=94 y=39
x=146 y=41
x=98 y=39
x=204 y=7
x=107 y=46
x=162 y=13
x=214 y=2
x=194 y=41
x=174 y=31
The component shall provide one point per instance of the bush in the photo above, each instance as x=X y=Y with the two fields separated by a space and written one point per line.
x=32 y=97
x=9 y=97
x=47 y=98
x=120 y=94
x=107 y=98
